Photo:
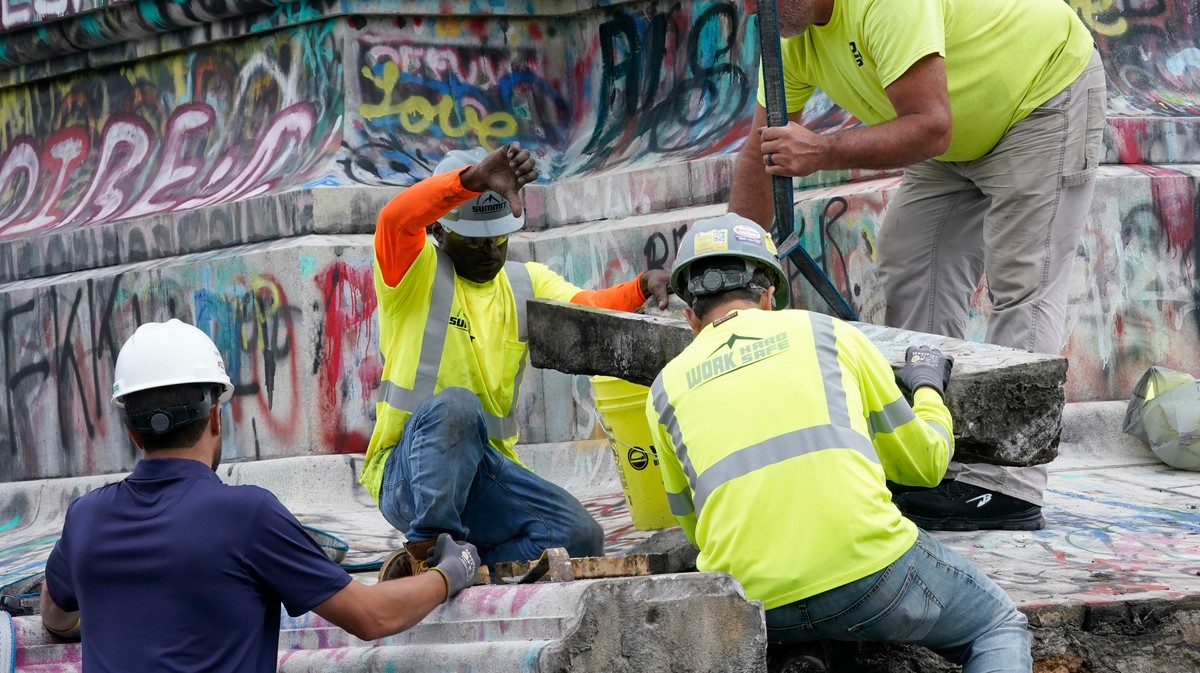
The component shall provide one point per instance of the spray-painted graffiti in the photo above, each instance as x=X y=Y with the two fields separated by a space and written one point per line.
x=1150 y=51
x=1133 y=299
x=17 y=13
x=447 y=83
x=174 y=134
x=634 y=84
x=309 y=319
x=82 y=25
x=671 y=82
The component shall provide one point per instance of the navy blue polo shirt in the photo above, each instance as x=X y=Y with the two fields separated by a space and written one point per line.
x=175 y=571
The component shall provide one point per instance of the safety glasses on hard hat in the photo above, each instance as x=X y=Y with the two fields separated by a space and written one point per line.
x=479 y=243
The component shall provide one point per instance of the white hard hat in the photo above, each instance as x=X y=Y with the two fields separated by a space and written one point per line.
x=484 y=216
x=161 y=354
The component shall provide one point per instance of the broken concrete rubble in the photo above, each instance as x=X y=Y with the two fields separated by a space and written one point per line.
x=1007 y=404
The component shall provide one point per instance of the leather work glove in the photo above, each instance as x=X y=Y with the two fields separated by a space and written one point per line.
x=456 y=561
x=925 y=366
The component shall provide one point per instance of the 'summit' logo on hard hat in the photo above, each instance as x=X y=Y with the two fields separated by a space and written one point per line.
x=490 y=203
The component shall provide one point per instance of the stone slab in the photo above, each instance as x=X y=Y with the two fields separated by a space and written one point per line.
x=689 y=622
x=1007 y=404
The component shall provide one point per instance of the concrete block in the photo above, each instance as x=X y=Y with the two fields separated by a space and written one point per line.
x=1007 y=404
x=695 y=622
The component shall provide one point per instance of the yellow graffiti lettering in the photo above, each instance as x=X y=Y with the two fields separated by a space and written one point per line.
x=417 y=113
x=1089 y=10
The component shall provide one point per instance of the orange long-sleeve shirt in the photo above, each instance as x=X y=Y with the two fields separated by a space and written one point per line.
x=400 y=236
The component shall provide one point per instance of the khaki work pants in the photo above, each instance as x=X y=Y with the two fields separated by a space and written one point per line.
x=1017 y=214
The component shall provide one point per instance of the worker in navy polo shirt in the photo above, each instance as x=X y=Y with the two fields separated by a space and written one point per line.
x=170 y=569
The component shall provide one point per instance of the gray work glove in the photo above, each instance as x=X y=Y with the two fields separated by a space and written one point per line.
x=456 y=561
x=925 y=366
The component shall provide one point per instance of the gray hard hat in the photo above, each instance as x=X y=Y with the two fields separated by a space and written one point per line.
x=728 y=235
x=484 y=216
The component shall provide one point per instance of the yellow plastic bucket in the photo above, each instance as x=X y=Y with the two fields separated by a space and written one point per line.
x=621 y=406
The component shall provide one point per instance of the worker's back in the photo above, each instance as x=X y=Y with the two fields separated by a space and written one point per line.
x=766 y=419
x=175 y=571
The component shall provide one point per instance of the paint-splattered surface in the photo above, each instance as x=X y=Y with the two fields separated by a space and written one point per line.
x=1115 y=532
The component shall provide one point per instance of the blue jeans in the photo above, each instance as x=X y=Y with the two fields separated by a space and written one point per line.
x=930 y=596
x=444 y=477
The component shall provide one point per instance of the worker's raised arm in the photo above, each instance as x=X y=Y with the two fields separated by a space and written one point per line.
x=400 y=229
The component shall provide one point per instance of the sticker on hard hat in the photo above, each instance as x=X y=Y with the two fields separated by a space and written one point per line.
x=712 y=241
x=770 y=242
x=747 y=234
x=485 y=207
x=489 y=203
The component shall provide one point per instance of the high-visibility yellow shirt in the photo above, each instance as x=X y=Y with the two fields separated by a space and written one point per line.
x=775 y=431
x=1003 y=59
x=481 y=352
x=437 y=330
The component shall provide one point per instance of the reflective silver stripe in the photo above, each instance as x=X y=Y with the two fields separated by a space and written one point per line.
x=501 y=428
x=776 y=450
x=890 y=417
x=681 y=503
x=666 y=416
x=522 y=289
x=825 y=340
x=941 y=430
x=433 y=343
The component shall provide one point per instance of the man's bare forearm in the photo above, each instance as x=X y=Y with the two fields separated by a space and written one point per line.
x=60 y=622
x=894 y=144
x=751 y=195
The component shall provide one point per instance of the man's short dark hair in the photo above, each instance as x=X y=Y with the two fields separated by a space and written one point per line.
x=183 y=437
x=703 y=304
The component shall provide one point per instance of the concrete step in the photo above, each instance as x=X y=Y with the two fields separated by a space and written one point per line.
x=1110 y=584
x=288 y=310
x=690 y=623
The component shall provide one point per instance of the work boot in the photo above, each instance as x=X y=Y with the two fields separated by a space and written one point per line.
x=409 y=560
x=797 y=658
x=955 y=505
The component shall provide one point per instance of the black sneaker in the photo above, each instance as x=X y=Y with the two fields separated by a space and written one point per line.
x=955 y=505
x=807 y=657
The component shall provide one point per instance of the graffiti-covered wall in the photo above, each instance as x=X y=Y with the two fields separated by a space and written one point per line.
x=198 y=140
x=635 y=84
x=178 y=133
x=1134 y=298
x=294 y=320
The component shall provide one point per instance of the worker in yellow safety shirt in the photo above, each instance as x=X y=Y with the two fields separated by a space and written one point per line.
x=788 y=493
x=452 y=331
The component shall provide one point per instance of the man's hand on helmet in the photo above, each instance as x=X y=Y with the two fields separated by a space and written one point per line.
x=505 y=171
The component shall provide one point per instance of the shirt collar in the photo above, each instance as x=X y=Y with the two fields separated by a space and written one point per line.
x=171 y=468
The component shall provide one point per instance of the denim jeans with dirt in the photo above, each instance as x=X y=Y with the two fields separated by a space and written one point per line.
x=444 y=477
x=929 y=596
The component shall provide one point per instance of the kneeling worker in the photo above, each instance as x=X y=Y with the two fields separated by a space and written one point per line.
x=172 y=570
x=452 y=334
x=788 y=494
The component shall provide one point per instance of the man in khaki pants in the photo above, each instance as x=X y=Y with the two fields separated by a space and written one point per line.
x=996 y=112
